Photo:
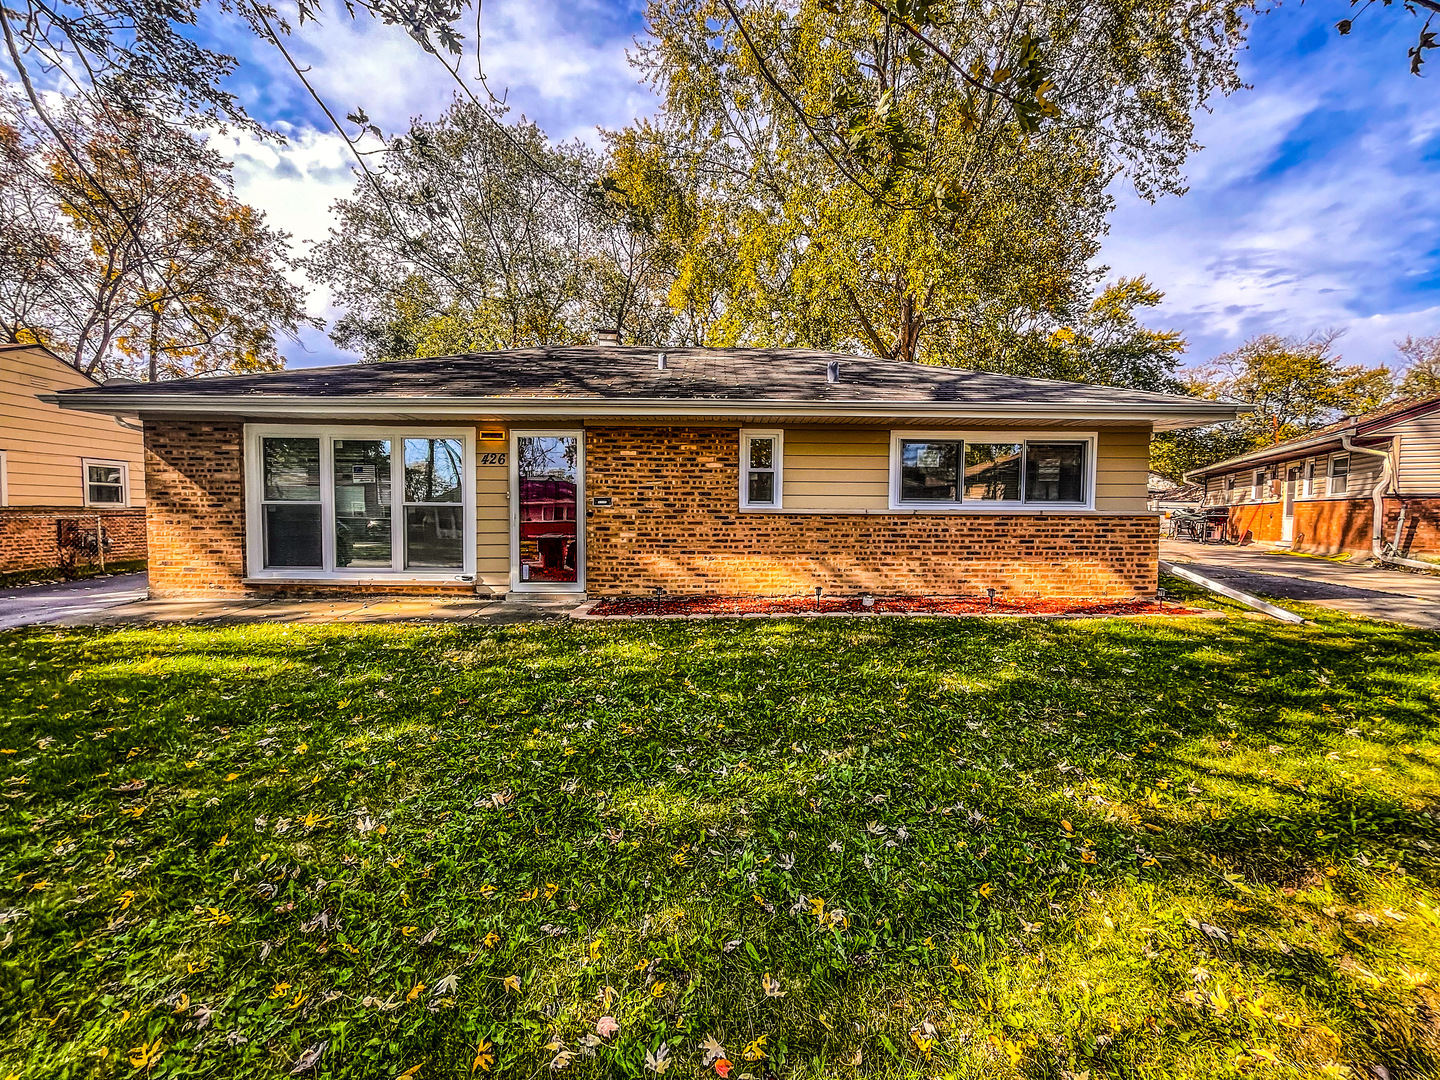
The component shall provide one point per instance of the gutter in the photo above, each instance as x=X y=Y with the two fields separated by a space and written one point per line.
x=369 y=406
x=1377 y=497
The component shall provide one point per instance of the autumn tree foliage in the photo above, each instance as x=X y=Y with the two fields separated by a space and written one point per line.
x=1295 y=384
x=132 y=256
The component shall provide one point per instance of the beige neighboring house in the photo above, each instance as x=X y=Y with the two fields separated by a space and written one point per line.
x=67 y=479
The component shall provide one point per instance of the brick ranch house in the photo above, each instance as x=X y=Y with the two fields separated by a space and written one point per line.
x=1368 y=484
x=623 y=470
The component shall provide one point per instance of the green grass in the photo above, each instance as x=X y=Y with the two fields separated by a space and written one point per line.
x=1163 y=848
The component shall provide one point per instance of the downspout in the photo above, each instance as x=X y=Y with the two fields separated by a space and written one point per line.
x=1377 y=497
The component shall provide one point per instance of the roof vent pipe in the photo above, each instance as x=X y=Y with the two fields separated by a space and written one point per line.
x=607 y=335
x=832 y=371
x=662 y=363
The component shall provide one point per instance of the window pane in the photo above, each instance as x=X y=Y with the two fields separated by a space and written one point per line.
x=292 y=536
x=104 y=474
x=929 y=471
x=434 y=537
x=433 y=469
x=762 y=488
x=362 y=502
x=1055 y=472
x=992 y=471
x=292 y=470
x=762 y=453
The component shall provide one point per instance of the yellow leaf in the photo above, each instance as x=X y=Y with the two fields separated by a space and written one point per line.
x=512 y=983
x=231 y=776
x=491 y=940
x=224 y=841
x=144 y=1055
x=414 y=993
x=484 y=1057
x=410 y=1073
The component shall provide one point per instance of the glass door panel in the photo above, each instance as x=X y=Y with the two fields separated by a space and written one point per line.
x=363 y=501
x=548 y=473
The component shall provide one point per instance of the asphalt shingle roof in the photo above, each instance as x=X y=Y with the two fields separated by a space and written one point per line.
x=613 y=373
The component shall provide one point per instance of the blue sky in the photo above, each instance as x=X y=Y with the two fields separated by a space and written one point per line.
x=1314 y=204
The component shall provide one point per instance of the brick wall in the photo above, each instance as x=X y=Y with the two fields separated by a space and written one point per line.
x=1330 y=526
x=50 y=537
x=195 y=506
x=676 y=523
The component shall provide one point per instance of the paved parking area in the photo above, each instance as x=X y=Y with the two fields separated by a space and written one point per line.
x=1395 y=595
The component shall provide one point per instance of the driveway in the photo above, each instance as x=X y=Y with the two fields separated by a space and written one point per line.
x=1413 y=599
x=68 y=601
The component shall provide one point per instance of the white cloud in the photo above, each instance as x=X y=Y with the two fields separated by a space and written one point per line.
x=1314 y=205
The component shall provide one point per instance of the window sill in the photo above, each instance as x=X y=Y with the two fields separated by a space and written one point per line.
x=956 y=511
x=358 y=579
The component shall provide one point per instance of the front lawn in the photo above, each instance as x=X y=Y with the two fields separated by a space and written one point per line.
x=1155 y=848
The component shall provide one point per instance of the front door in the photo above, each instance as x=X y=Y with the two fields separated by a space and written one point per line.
x=1287 y=521
x=547 y=540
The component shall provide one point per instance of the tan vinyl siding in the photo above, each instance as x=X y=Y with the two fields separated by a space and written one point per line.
x=837 y=469
x=492 y=511
x=44 y=445
x=847 y=469
x=1418 y=463
x=1122 y=469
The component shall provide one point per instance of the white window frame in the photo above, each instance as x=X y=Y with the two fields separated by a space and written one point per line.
x=1330 y=491
x=1309 y=477
x=578 y=585
x=777 y=462
x=4 y=479
x=1229 y=489
x=124 y=467
x=990 y=506
x=397 y=574
x=1257 y=485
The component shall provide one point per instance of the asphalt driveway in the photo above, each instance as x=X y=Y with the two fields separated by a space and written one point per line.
x=1395 y=595
x=64 y=601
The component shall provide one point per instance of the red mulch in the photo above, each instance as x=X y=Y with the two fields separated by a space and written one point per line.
x=910 y=605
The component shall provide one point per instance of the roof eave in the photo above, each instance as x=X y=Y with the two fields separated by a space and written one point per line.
x=1164 y=417
x=1270 y=453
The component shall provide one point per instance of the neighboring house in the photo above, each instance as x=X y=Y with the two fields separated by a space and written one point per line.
x=66 y=478
x=626 y=470
x=1365 y=481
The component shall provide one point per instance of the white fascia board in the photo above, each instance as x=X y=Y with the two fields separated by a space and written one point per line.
x=305 y=405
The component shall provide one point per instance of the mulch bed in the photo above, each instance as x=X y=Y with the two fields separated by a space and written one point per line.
x=907 y=605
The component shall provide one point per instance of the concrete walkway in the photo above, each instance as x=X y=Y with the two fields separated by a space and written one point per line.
x=118 y=601
x=1395 y=595
x=26 y=605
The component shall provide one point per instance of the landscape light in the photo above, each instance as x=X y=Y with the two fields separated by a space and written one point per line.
x=991 y=594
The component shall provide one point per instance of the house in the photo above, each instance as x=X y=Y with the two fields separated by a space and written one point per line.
x=66 y=478
x=1367 y=484
x=626 y=470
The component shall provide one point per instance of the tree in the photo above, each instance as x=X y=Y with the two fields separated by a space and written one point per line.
x=1421 y=377
x=142 y=263
x=903 y=180
x=456 y=244
x=1296 y=385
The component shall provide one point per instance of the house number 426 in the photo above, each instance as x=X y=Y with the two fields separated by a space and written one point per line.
x=492 y=459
